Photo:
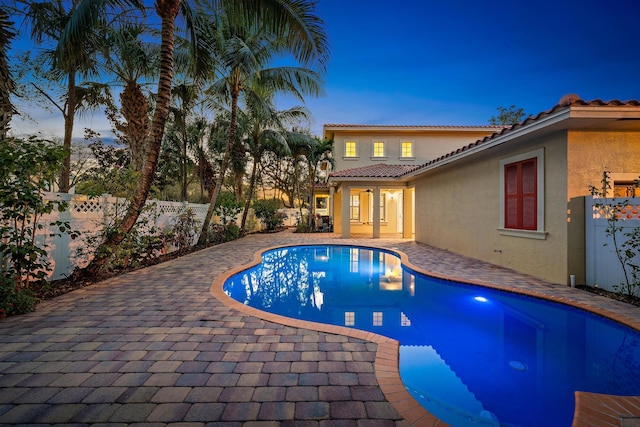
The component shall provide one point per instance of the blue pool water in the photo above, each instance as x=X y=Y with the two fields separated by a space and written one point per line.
x=470 y=355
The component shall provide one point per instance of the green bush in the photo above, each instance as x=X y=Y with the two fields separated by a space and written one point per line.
x=144 y=242
x=28 y=167
x=267 y=211
x=220 y=233
x=14 y=299
x=183 y=233
x=303 y=227
x=227 y=207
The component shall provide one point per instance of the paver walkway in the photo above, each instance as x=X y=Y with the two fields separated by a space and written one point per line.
x=155 y=347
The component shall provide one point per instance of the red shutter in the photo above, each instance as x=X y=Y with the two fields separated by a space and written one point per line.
x=521 y=195
x=529 y=195
x=511 y=187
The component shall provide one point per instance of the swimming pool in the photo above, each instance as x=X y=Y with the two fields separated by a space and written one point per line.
x=470 y=355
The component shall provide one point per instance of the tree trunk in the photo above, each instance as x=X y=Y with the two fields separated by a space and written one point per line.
x=223 y=169
x=183 y=192
x=256 y=160
x=69 y=116
x=312 y=187
x=136 y=126
x=167 y=10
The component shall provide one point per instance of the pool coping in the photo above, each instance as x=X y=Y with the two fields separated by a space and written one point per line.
x=387 y=354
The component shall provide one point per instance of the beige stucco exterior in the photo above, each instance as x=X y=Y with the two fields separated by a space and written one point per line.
x=455 y=202
x=458 y=209
x=429 y=142
x=458 y=205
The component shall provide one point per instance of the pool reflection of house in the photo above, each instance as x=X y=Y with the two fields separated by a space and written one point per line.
x=514 y=198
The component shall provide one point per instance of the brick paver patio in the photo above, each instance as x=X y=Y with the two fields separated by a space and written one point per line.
x=156 y=347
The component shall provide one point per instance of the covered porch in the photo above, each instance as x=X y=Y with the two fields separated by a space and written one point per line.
x=372 y=202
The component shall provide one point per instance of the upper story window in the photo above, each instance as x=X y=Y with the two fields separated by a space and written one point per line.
x=378 y=149
x=350 y=149
x=406 y=149
x=522 y=195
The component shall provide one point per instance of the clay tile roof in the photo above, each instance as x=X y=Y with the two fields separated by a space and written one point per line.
x=375 y=171
x=566 y=101
x=421 y=127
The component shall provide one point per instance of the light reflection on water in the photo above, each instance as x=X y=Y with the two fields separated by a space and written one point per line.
x=470 y=355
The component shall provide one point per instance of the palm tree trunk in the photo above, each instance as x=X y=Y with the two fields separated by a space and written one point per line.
x=65 y=172
x=167 y=10
x=136 y=127
x=312 y=187
x=183 y=193
x=252 y=183
x=223 y=169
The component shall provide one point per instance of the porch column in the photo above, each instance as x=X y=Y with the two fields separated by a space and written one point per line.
x=345 y=213
x=331 y=195
x=408 y=213
x=376 y=212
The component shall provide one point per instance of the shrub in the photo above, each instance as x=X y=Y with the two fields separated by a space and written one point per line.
x=183 y=233
x=303 y=227
x=220 y=233
x=144 y=242
x=14 y=299
x=267 y=211
x=227 y=207
x=27 y=170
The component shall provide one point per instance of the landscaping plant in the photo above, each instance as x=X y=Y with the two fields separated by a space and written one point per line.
x=183 y=233
x=27 y=170
x=266 y=210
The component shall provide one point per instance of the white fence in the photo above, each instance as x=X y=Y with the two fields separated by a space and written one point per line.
x=602 y=265
x=88 y=215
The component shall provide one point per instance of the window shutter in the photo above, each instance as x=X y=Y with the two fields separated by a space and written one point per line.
x=529 y=198
x=511 y=187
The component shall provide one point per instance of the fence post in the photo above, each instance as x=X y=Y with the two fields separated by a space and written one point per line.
x=59 y=250
x=590 y=241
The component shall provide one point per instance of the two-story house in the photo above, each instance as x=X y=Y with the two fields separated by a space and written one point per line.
x=381 y=154
x=515 y=197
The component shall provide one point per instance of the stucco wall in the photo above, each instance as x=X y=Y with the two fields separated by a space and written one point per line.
x=458 y=209
x=589 y=154
x=426 y=146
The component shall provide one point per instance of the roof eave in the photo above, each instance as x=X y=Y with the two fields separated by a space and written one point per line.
x=552 y=120
x=337 y=180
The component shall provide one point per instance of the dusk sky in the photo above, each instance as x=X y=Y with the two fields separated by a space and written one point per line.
x=453 y=62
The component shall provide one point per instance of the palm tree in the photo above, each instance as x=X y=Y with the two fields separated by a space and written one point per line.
x=291 y=20
x=245 y=51
x=86 y=17
x=131 y=60
x=315 y=151
x=48 y=21
x=265 y=131
x=186 y=131
x=7 y=85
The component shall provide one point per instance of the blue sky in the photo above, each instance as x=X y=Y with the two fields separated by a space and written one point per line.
x=453 y=62
x=448 y=62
